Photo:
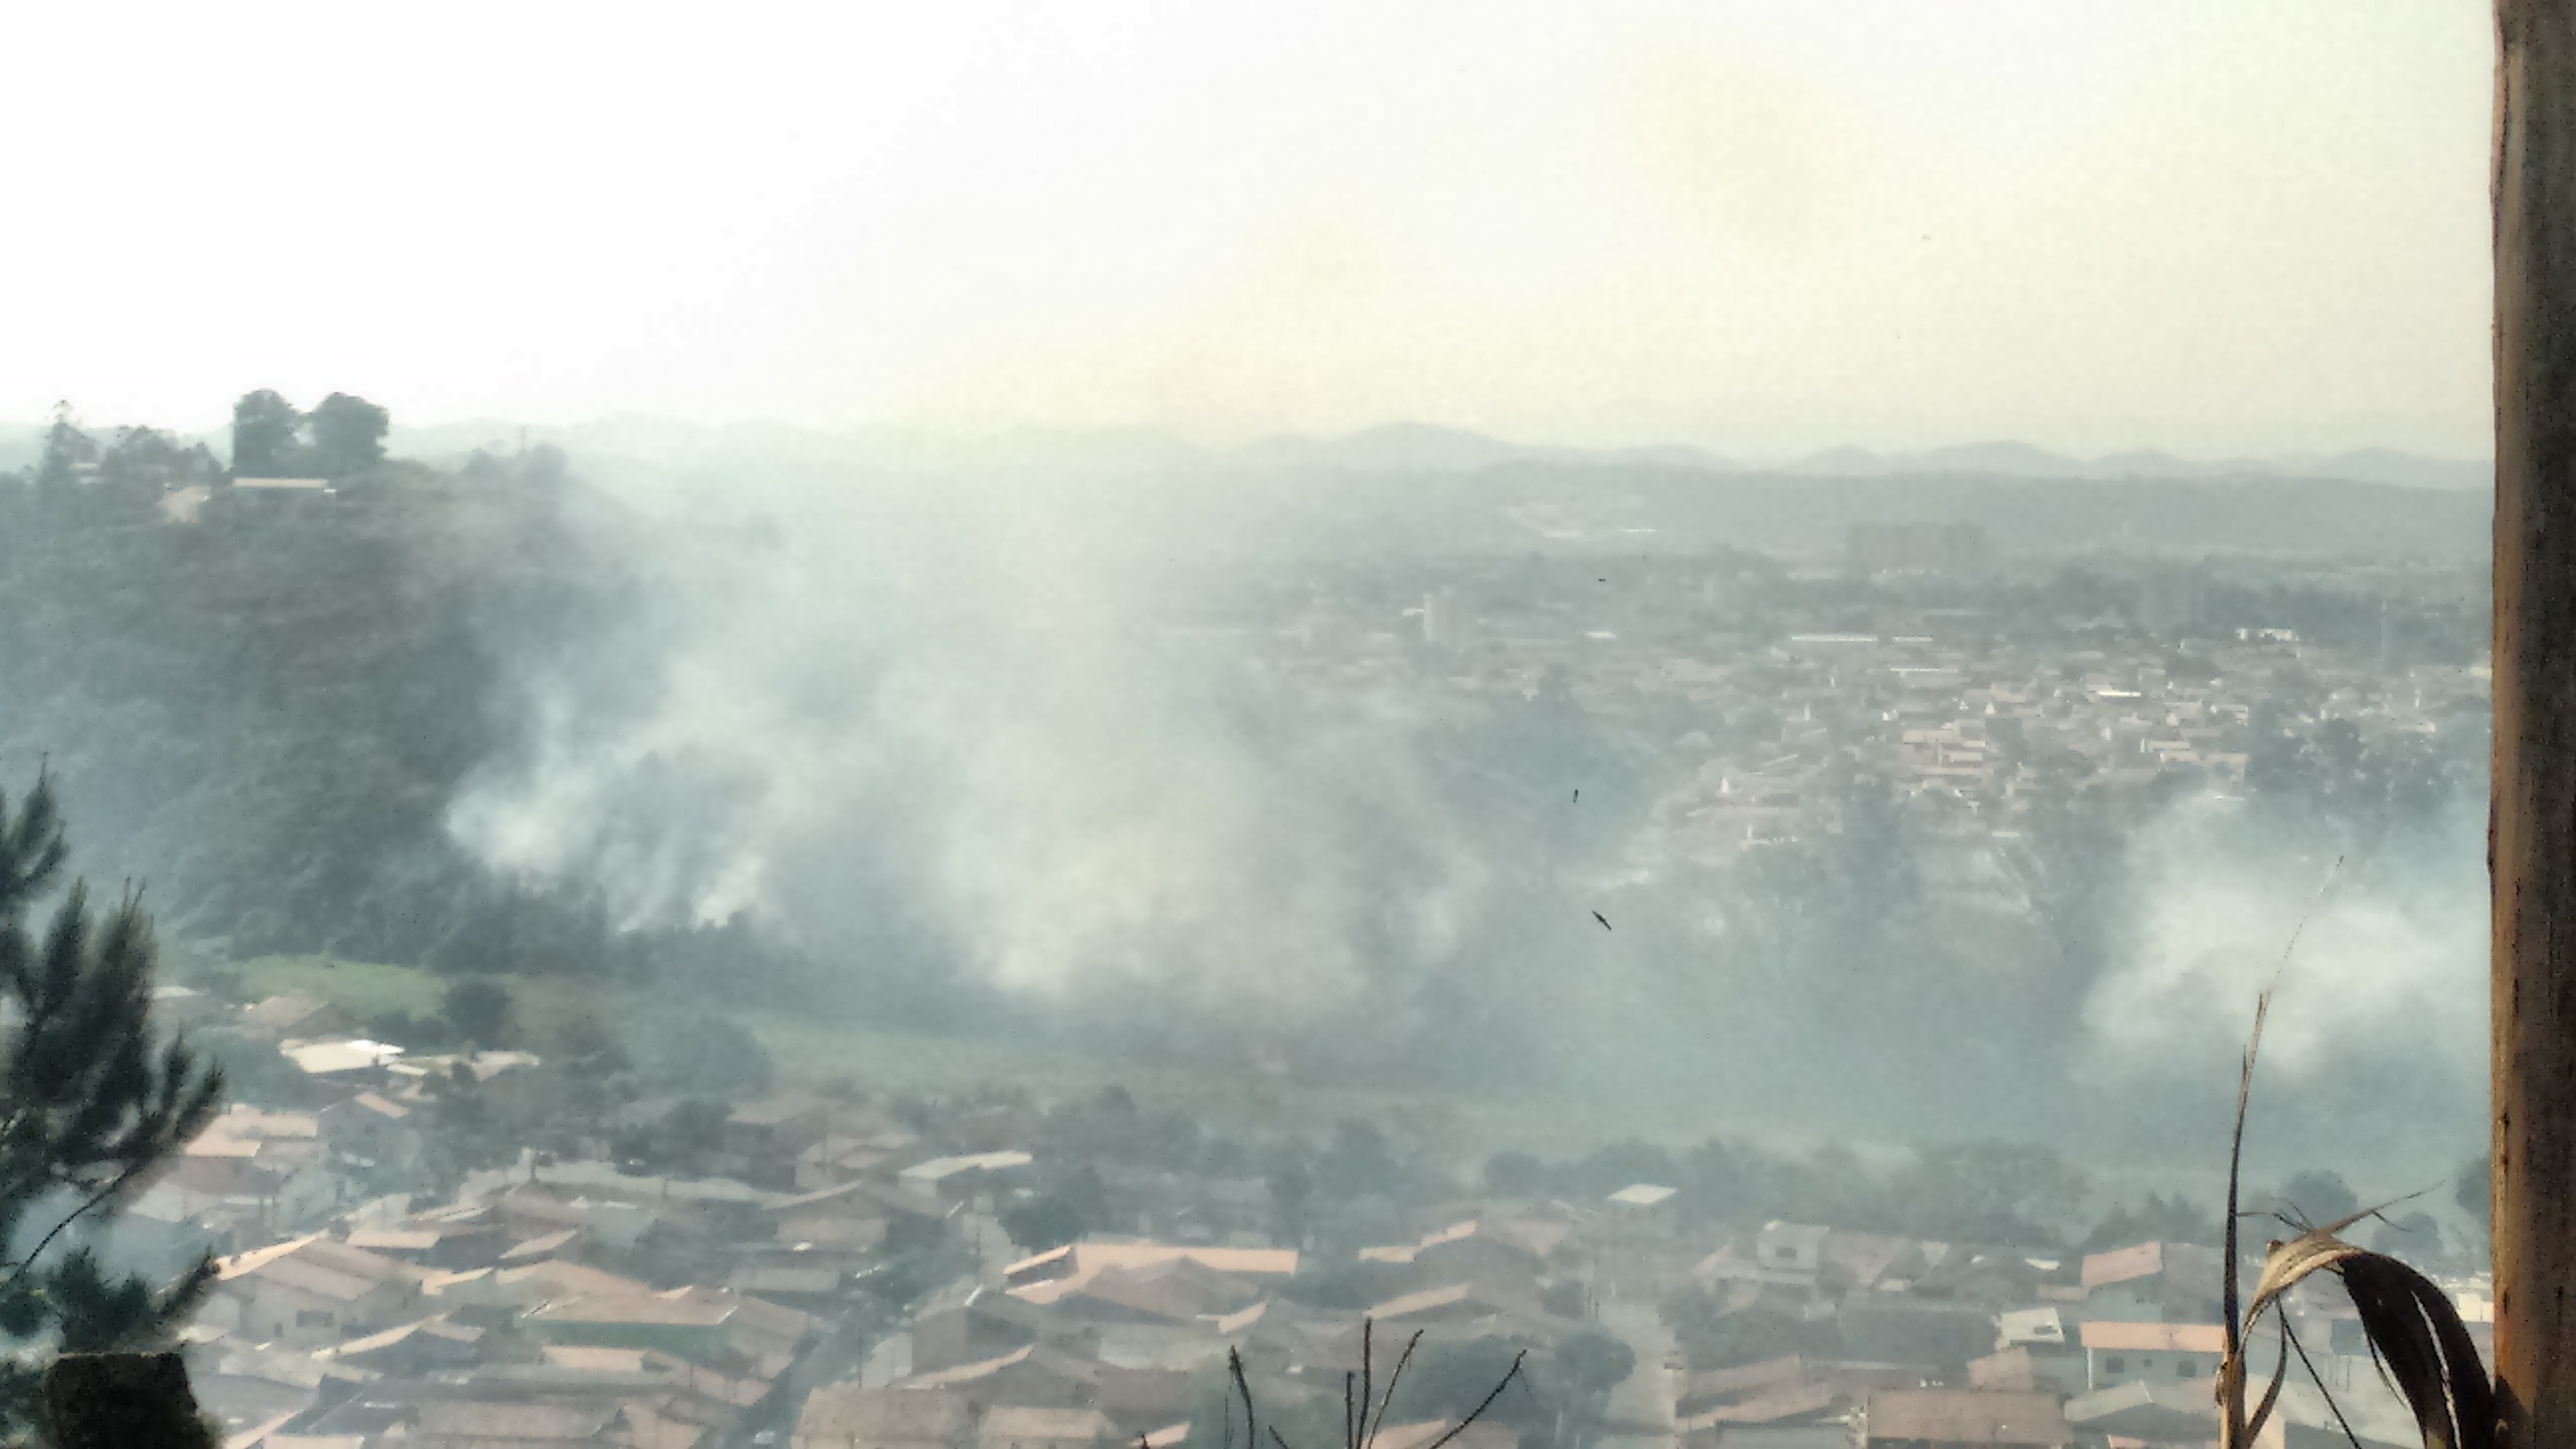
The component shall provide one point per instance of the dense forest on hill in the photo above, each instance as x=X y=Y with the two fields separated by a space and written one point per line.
x=262 y=713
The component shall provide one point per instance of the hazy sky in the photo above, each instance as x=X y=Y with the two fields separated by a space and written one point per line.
x=2210 y=227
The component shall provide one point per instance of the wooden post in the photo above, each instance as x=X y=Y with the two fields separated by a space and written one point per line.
x=2531 y=841
x=124 y=1401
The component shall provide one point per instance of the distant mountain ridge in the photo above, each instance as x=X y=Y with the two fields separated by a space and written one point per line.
x=1416 y=448
x=1417 y=489
x=2007 y=459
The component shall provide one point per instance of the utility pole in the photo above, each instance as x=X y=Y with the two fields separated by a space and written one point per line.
x=2531 y=841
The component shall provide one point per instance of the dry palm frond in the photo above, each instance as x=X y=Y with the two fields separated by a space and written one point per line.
x=2415 y=1334
x=2422 y=1344
x=2233 y=1430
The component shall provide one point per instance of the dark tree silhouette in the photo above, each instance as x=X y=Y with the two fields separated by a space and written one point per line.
x=1043 y=1222
x=90 y=1100
x=713 y=1054
x=266 y=435
x=480 y=1010
x=1593 y=1362
x=69 y=454
x=348 y=435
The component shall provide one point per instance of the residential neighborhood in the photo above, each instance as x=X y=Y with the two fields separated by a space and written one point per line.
x=845 y=1274
x=1669 y=725
x=452 y=1232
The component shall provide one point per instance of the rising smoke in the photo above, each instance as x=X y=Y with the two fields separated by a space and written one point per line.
x=990 y=743
x=954 y=727
x=2375 y=1048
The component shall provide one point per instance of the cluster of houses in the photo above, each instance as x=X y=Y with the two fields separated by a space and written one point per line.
x=838 y=1279
x=1939 y=1344
x=1982 y=729
x=1879 y=1341
x=1761 y=693
x=1932 y=1344
x=568 y=1305
x=1128 y=1340
x=530 y=1306
x=354 y=1115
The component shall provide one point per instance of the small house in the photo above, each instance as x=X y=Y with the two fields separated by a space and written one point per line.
x=296 y=1015
x=2153 y=1283
x=1789 y=1255
x=371 y=1129
x=2157 y=1413
x=986 y=1326
x=2118 y=1353
x=313 y=1291
x=1034 y=1375
x=338 y=1065
x=1890 y=1328
x=762 y=1139
x=1010 y=1426
x=954 y=1179
x=1641 y=1199
x=846 y=1416
x=1950 y=1418
x=1453 y=1303
x=422 y=1346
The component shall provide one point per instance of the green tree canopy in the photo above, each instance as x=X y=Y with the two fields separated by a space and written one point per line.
x=348 y=435
x=1044 y=1222
x=2157 y=1219
x=711 y=1054
x=480 y=1010
x=69 y=454
x=1993 y=1192
x=266 y=433
x=1593 y=1362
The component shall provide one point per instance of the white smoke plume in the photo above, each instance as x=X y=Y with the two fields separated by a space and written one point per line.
x=1027 y=738
x=967 y=708
x=2376 y=1041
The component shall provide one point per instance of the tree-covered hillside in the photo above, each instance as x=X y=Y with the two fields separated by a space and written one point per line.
x=262 y=699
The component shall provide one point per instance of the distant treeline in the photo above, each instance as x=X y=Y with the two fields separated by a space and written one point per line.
x=1609 y=508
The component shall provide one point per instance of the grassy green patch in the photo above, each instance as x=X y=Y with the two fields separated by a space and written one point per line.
x=361 y=988
x=367 y=990
x=812 y=1050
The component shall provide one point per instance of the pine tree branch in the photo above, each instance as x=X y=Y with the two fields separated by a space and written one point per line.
x=114 y=1186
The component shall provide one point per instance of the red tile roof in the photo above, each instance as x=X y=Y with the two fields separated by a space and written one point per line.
x=2145 y=1260
x=2156 y=1337
x=1965 y=1416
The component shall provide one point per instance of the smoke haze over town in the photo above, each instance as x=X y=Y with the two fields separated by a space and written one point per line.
x=831 y=652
